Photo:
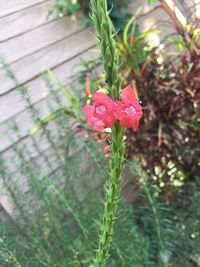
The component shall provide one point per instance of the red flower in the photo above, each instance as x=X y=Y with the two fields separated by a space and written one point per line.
x=100 y=116
x=129 y=111
x=93 y=121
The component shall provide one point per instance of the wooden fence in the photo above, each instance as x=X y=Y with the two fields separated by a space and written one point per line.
x=30 y=44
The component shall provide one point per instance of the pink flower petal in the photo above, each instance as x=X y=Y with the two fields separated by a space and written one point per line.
x=129 y=111
x=93 y=121
x=101 y=98
x=118 y=110
x=128 y=96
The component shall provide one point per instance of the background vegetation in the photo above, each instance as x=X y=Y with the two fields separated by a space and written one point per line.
x=58 y=206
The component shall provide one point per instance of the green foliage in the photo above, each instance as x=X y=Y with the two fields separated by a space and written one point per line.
x=47 y=230
x=117 y=15
x=107 y=43
x=64 y=7
x=133 y=49
x=168 y=140
x=58 y=215
x=152 y=1
x=173 y=230
x=110 y=57
x=57 y=227
x=61 y=230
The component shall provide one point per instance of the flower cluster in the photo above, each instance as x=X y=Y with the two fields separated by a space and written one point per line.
x=106 y=112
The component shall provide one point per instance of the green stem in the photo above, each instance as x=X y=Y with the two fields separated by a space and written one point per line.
x=112 y=198
x=11 y=257
x=154 y=210
x=109 y=53
x=163 y=253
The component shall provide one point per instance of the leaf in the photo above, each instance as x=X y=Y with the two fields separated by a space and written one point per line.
x=73 y=100
x=193 y=125
x=148 y=33
x=152 y=1
x=128 y=25
x=59 y=84
x=50 y=118
x=196 y=34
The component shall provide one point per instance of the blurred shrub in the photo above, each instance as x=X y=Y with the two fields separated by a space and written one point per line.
x=168 y=141
x=57 y=218
x=118 y=15
x=56 y=228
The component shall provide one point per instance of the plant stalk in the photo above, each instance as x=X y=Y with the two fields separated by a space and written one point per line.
x=112 y=198
x=105 y=36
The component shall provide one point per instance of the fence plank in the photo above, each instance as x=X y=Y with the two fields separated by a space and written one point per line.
x=37 y=89
x=25 y=122
x=10 y=6
x=32 y=41
x=25 y=20
x=56 y=54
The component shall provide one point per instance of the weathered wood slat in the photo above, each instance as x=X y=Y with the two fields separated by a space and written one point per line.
x=14 y=176
x=56 y=54
x=34 y=40
x=56 y=173
x=23 y=118
x=45 y=151
x=25 y=122
x=44 y=47
x=24 y=20
x=37 y=88
x=10 y=6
